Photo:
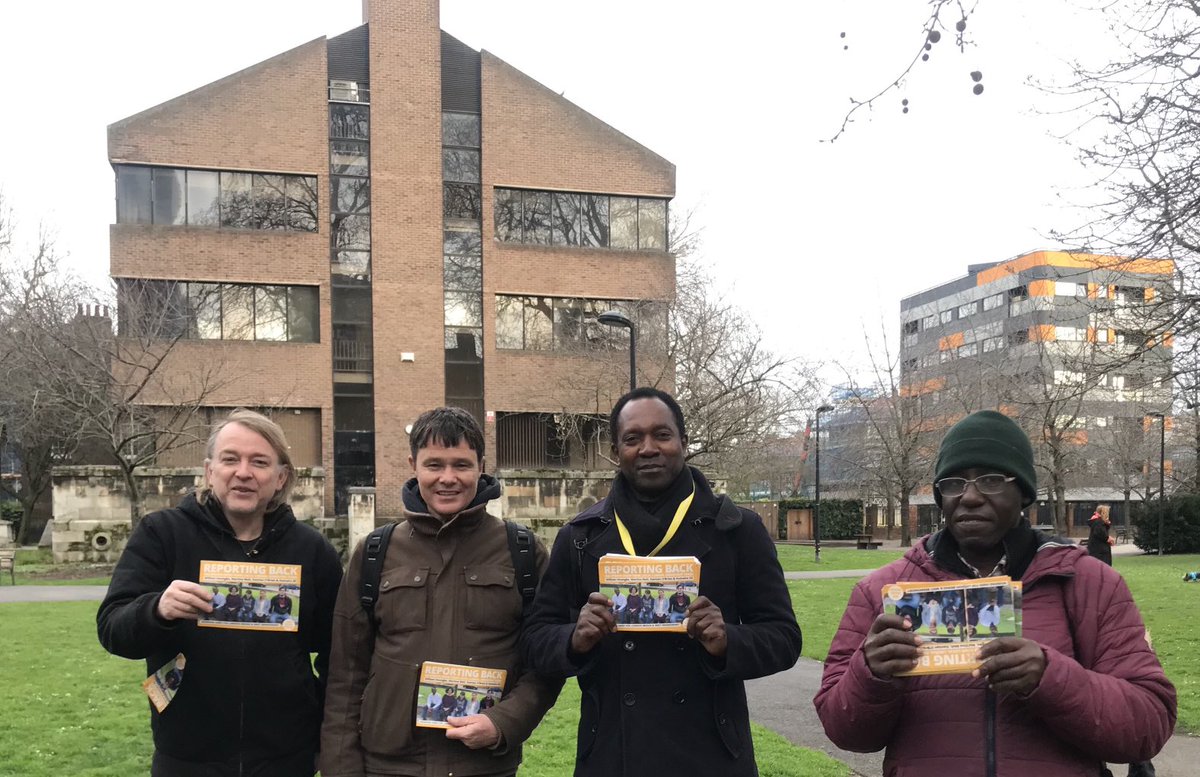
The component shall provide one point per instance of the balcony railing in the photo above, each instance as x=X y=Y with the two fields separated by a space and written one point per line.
x=351 y=356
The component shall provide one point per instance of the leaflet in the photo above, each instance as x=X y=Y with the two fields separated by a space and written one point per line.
x=162 y=686
x=650 y=593
x=955 y=619
x=252 y=595
x=454 y=690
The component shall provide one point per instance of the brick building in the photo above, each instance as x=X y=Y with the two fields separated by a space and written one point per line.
x=373 y=224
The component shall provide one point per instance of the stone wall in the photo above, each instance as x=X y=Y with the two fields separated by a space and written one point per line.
x=91 y=506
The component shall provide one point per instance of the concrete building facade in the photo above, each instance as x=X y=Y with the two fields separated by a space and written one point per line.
x=1068 y=344
x=384 y=221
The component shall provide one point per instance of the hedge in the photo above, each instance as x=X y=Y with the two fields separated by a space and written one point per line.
x=841 y=519
x=1181 y=524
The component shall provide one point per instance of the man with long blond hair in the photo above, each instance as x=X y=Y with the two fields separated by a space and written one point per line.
x=249 y=702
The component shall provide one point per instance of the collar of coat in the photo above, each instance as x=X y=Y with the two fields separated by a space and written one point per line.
x=421 y=520
x=1023 y=545
x=211 y=516
x=706 y=506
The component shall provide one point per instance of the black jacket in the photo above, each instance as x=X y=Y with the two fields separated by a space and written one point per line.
x=1097 y=541
x=249 y=703
x=635 y=684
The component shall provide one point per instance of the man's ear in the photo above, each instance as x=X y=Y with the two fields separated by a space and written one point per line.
x=412 y=463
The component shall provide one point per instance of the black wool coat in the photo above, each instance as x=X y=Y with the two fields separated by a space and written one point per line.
x=658 y=704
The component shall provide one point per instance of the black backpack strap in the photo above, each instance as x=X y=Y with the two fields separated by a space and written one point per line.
x=374 y=551
x=520 y=545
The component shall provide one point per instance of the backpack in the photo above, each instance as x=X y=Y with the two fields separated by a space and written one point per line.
x=520 y=546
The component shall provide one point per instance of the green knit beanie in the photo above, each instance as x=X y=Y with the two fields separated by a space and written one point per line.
x=987 y=440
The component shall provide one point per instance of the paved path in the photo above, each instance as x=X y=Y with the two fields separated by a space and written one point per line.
x=51 y=593
x=783 y=703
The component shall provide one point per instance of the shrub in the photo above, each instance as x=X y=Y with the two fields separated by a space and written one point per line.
x=1181 y=524
x=11 y=511
x=841 y=519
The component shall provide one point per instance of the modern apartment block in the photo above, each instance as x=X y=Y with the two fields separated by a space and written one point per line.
x=381 y=222
x=1064 y=342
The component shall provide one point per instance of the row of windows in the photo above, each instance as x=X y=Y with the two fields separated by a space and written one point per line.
x=565 y=323
x=217 y=311
x=589 y=220
x=165 y=195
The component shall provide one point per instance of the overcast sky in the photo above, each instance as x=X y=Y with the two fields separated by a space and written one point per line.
x=819 y=241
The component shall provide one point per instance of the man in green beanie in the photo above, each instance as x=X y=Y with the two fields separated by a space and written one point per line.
x=1080 y=687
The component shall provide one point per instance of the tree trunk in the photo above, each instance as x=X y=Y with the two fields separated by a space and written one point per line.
x=26 y=524
x=135 y=496
x=890 y=521
x=1060 y=508
x=905 y=533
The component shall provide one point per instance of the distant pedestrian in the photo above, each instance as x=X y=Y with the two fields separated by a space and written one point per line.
x=1099 y=544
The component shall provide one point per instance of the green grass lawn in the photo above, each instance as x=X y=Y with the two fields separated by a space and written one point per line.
x=799 y=558
x=85 y=714
x=1169 y=607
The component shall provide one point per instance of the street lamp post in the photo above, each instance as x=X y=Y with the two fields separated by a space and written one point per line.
x=1162 y=461
x=613 y=318
x=817 y=486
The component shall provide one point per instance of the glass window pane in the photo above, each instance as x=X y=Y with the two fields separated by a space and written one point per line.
x=464 y=380
x=565 y=222
x=351 y=232
x=463 y=308
x=133 y=195
x=463 y=273
x=169 y=196
x=623 y=222
x=508 y=214
x=352 y=306
x=302 y=202
x=348 y=157
x=568 y=322
x=464 y=345
x=462 y=242
x=303 y=314
x=539 y=323
x=461 y=201
x=351 y=266
x=269 y=193
x=460 y=129
x=351 y=195
x=203 y=191
x=237 y=312
x=351 y=122
x=151 y=309
x=236 y=201
x=460 y=165
x=270 y=313
x=537 y=217
x=204 y=301
x=652 y=225
x=594 y=220
x=510 y=313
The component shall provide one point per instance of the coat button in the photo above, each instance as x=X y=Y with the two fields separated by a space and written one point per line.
x=629 y=644
x=722 y=719
x=678 y=697
x=386 y=583
x=474 y=577
x=417 y=579
x=629 y=699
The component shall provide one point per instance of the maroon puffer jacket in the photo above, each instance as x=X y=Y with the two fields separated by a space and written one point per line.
x=1104 y=696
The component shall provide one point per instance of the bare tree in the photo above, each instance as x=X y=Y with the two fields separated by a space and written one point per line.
x=899 y=421
x=130 y=391
x=37 y=299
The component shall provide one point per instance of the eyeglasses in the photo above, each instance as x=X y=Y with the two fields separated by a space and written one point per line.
x=985 y=484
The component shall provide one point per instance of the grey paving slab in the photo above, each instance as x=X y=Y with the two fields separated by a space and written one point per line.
x=51 y=593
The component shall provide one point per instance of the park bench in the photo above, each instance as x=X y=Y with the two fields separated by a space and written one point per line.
x=867 y=542
x=8 y=560
x=1121 y=535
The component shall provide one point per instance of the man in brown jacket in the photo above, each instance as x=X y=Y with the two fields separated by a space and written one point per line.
x=447 y=594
